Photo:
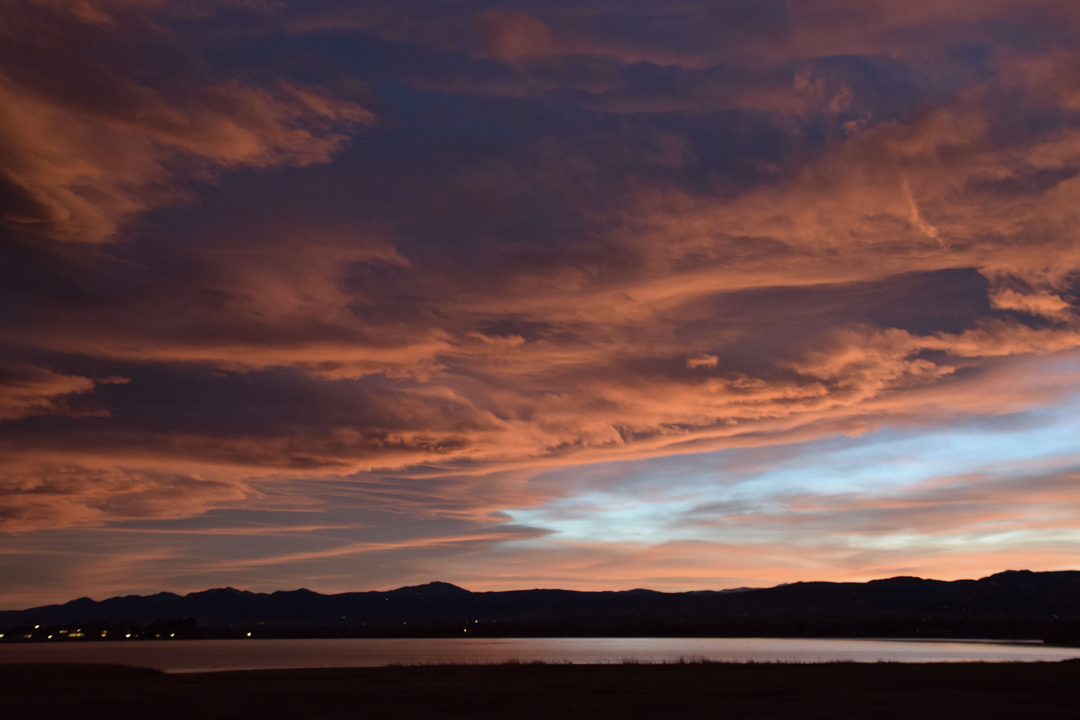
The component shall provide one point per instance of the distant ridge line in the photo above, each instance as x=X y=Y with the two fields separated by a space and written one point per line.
x=1014 y=603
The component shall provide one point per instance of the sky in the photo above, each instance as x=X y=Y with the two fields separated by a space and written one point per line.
x=596 y=295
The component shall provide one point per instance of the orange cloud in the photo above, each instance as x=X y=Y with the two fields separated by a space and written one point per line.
x=81 y=160
x=27 y=391
x=725 y=245
x=57 y=495
x=514 y=34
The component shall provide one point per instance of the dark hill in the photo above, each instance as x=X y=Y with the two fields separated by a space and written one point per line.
x=1009 y=604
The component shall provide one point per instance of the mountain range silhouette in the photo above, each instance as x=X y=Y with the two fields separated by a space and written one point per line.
x=1012 y=604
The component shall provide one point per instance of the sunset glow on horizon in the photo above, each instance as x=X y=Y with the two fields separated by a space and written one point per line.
x=592 y=295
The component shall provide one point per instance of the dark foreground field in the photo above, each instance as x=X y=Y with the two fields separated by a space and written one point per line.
x=841 y=690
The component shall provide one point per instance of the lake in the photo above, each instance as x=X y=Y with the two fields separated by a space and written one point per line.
x=178 y=656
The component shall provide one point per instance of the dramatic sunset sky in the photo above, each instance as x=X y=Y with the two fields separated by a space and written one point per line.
x=590 y=294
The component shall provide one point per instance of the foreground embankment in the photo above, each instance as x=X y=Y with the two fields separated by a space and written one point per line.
x=707 y=690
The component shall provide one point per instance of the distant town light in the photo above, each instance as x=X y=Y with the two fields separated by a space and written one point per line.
x=249 y=634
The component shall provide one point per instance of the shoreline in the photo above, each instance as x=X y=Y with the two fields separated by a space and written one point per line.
x=541 y=690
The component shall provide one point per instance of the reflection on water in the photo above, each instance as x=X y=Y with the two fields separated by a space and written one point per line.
x=203 y=655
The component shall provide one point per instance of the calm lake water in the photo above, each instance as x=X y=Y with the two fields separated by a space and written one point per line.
x=215 y=655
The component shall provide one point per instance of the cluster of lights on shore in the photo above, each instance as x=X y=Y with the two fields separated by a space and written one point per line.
x=78 y=633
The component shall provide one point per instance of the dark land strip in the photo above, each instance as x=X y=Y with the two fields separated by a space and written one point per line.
x=1008 y=605
x=694 y=690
